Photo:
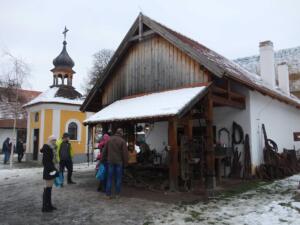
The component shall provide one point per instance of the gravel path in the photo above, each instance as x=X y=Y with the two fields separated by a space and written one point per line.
x=21 y=194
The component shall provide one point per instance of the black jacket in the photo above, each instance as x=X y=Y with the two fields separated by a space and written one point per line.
x=20 y=148
x=48 y=162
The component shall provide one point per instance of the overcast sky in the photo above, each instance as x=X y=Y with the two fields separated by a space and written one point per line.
x=32 y=29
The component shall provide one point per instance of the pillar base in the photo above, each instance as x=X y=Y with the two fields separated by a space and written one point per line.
x=210 y=182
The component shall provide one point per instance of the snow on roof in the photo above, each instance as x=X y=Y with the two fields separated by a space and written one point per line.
x=49 y=96
x=290 y=55
x=160 y=104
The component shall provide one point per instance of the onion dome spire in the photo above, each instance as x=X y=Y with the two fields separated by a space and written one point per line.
x=63 y=65
x=63 y=59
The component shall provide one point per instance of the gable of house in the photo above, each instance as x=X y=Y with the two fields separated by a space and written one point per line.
x=151 y=65
x=157 y=58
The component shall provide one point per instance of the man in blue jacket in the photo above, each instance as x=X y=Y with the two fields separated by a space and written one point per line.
x=6 y=148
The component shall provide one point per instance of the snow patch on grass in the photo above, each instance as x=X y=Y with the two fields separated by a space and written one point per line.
x=268 y=204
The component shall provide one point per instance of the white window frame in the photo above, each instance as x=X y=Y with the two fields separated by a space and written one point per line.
x=78 y=128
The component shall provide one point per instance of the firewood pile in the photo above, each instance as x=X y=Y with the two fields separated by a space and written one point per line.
x=277 y=165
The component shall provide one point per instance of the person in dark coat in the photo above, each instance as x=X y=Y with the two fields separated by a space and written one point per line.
x=49 y=173
x=117 y=156
x=20 y=150
x=65 y=156
x=6 y=149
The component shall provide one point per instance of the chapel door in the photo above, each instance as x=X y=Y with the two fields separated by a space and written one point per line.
x=35 y=143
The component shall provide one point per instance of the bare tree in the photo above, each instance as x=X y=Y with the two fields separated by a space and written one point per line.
x=100 y=61
x=11 y=81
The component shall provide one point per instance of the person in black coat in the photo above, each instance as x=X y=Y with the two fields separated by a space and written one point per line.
x=49 y=173
x=20 y=150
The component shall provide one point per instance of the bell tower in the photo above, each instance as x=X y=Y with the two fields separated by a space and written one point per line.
x=63 y=64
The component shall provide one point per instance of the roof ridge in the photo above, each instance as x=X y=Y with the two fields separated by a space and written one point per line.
x=275 y=52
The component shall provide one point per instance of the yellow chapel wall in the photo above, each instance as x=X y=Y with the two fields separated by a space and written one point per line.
x=33 y=125
x=48 y=118
x=78 y=146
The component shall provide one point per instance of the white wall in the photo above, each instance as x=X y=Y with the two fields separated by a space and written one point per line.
x=280 y=120
x=157 y=138
x=223 y=117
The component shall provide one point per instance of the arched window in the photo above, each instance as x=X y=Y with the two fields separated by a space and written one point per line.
x=36 y=117
x=73 y=131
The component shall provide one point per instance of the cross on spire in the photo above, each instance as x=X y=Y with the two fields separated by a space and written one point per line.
x=65 y=33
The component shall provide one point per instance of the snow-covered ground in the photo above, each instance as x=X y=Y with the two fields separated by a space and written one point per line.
x=21 y=189
x=79 y=204
x=272 y=204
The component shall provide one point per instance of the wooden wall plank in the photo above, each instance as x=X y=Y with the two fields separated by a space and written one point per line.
x=152 y=65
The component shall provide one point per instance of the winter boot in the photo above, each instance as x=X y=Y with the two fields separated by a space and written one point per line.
x=70 y=178
x=50 y=199
x=46 y=207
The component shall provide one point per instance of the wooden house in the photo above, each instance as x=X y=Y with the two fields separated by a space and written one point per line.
x=187 y=93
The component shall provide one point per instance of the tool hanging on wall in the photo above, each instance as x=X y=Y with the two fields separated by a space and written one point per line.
x=247 y=158
x=227 y=150
x=237 y=130
x=237 y=138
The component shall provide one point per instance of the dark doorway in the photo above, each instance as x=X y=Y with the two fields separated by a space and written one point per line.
x=35 y=144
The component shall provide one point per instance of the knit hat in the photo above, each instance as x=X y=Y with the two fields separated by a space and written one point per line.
x=65 y=135
x=51 y=138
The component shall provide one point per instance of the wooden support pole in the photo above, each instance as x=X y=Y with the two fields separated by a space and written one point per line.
x=173 y=154
x=130 y=128
x=210 y=180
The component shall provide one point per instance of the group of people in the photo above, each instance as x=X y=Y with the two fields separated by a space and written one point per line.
x=7 y=147
x=114 y=156
x=56 y=151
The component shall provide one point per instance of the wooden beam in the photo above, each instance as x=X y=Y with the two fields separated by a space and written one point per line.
x=218 y=90
x=173 y=154
x=221 y=91
x=228 y=102
x=146 y=34
x=140 y=27
x=228 y=90
x=210 y=180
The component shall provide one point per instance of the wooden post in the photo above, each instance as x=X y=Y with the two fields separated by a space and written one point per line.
x=210 y=180
x=173 y=154
x=89 y=149
x=130 y=133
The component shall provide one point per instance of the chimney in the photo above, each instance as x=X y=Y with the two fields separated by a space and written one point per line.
x=283 y=77
x=267 y=63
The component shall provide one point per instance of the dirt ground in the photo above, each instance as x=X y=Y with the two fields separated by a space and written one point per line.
x=257 y=203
